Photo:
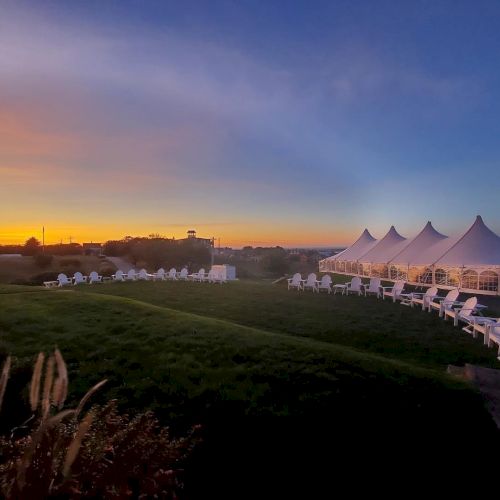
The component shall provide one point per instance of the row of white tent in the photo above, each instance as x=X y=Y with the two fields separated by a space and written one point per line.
x=470 y=262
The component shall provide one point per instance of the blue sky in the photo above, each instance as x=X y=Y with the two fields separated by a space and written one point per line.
x=290 y=123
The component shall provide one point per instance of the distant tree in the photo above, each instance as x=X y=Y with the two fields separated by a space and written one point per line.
x=31 y=247
x=275 y=262
x=43 y=260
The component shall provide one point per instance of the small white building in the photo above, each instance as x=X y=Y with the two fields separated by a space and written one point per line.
x=225 y=272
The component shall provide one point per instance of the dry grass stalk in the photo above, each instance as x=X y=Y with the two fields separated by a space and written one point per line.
x=49 y=377
x=4 y=378
x=35 y=381
x=87 y=396
x=60 y=395
x=74 y=447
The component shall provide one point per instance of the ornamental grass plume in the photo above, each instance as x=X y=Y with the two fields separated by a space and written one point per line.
x=104 y=455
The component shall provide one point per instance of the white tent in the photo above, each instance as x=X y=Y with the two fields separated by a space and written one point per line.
x=470 y=261
x=423 y=248
x=479 y=246
x=351 y=254
x=389 y=246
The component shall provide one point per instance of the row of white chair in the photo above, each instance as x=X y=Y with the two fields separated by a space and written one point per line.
x=447 y=306
x=211 y=277
x=142 y=275
x=78 y=278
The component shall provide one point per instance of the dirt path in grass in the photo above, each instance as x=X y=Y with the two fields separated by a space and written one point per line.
x=120 y=263
x=487 y=381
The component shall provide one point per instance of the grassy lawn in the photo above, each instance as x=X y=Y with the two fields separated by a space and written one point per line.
x=209 y=353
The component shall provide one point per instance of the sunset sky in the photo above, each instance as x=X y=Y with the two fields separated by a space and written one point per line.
x=257 y=122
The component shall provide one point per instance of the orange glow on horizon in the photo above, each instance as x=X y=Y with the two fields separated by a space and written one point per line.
x=239 y=237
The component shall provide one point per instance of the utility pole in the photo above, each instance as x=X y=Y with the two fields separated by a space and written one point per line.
x=43 y=239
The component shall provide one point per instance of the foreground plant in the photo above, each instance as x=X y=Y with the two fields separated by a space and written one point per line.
x=104 y=454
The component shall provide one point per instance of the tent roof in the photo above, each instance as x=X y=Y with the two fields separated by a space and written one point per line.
x=425 y=248
x=389 y=246
x=479 y=246
x=358 y=248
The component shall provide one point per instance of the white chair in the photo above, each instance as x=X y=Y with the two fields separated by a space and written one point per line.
x=479 y=324
x=325 y=284
x=143 y=275
x=354 y=286
x=461 y=313
x=422 y=298
x=206 y=276
x=172 y=274
x=118 y=276
x=372 y=287
x=64 y=280
x=199 y=276
x=159 y=275
x=493 y=336
x=78 y=278
x=311 y=283
x=295 y=282
x=441 y=303
x=94 y=278
x=394 y=291
x=210 y=277
x=183 y=275
x=131 y=275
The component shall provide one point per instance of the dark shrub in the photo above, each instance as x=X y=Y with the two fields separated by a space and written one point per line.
x=107 y=270
x=102 y=454
x=43 y=260
x=74 y=263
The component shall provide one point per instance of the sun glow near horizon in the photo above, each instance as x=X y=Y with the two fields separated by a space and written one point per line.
x=227 y=235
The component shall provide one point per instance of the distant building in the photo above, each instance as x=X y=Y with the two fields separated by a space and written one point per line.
x=191 y=236
x=92 y=249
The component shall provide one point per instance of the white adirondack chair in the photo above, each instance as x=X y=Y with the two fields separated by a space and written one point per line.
x=78 y=278
x=423 y=299
x=493 y=336
x=441 y=303
x=143 y=275
x=172 y=274
x=479 y=324
x=64 y=280
x=159 y=275
x=210 y=277
x=94 y=278
x=131 y=275
x=118 y=276
x=183 y=275
x=311 y=283
x=393 y=291
x=199 y=276
x=354 y=286
x=462 y=312
x=295 y=282
x=325 y=284
x=372 y=287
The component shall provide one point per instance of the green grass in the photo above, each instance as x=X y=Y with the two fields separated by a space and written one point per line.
x=355 y=377
x=366 y=324
x=187 y=349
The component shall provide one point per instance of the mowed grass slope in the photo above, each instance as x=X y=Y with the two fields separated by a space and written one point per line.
x=367 y=324
x=191 y=367
x=349 y=385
